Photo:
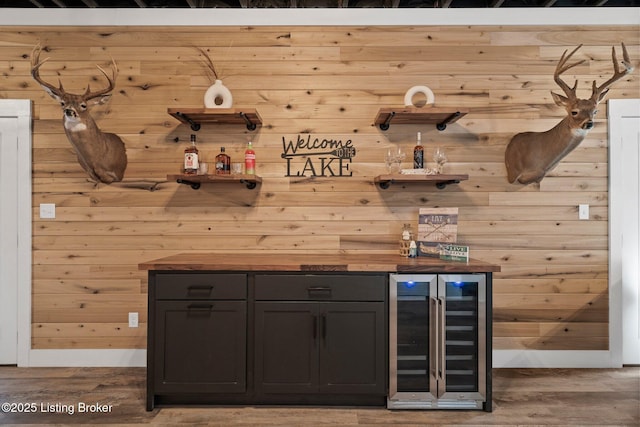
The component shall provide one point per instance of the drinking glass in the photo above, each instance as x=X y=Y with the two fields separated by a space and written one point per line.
x=440 y=158
x=400 y=156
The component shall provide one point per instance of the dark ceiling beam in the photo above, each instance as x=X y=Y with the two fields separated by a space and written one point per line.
x=497 y=3
x=549 y=3
x=90 y=3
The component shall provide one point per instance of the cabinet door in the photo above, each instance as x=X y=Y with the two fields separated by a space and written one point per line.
x=200 y=346
x=352 y=347
x=286 y=347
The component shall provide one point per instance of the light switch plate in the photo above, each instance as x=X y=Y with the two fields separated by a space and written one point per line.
x=583 y=212
x=133 y=320
x=47 y=210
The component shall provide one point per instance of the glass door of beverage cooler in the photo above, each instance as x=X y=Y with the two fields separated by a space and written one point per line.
x=437 y=341
x=462 y=338
x=411 y=341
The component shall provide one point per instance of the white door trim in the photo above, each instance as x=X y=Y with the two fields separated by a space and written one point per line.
x=621 y=200
x=20 y=109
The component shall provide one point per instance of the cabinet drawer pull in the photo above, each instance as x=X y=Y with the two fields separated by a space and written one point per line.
x=319 y=289
x=200 y=307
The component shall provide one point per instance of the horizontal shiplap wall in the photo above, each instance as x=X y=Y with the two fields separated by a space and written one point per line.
x=328 y=82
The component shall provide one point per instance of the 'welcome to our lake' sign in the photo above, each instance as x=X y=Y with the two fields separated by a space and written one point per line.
x=310 y=156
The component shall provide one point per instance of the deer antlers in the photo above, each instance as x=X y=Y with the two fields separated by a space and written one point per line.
x=36 y=63
x=35 y=72
x=598 y=92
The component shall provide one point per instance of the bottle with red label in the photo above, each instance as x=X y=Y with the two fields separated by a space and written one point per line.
x=191 y=158
x=249 y=160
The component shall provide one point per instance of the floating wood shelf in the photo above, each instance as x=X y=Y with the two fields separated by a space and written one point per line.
x=440 y=116
x=251 y=181
x=441 y=180
x=195 y=117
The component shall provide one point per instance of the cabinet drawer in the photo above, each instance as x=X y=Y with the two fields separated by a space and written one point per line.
x=187 y=286
x=315 y=287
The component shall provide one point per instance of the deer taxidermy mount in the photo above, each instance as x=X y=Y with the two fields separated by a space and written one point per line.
x=102 y=155
x=530 y=155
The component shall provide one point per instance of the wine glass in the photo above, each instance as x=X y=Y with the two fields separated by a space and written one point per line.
x=390 y=160
x=440 y=158
x=400 y=156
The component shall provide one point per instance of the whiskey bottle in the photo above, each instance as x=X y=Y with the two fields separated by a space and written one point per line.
x=191 y=158
x=223 y=163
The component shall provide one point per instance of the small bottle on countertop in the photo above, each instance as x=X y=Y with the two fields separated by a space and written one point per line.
x=418 y=153
x=413 y=249
x=249 y=160
x=191 y=158
x=223 y=163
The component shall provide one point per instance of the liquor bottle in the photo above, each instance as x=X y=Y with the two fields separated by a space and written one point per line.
x=418 y=154
x=223 y=163
x=250 y=160
x=191 y=158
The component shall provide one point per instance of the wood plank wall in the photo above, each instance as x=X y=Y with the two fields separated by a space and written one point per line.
x=328 y=82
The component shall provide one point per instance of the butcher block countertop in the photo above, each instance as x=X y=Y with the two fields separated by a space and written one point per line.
x=312 y=262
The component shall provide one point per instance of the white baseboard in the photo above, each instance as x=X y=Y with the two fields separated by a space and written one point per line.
x=86 y=358
x=501 y=358
x=553 y=359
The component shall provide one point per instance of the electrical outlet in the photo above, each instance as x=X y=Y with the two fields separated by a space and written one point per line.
x=583 y=212
x=47 y=210
x=133 y=320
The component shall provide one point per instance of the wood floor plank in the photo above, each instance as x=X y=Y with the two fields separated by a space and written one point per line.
x=543 y=397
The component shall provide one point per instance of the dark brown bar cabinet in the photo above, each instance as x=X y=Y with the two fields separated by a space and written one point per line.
x=274 y=329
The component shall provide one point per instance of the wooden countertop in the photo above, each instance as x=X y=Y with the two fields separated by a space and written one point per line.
x=312 y=262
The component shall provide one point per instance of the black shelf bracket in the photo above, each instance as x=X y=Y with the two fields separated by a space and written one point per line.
x=250 y=124
x=194 y=185
x=385 y=184
x=440 y=185
x=385 y=125
x=194 y=125
x=250 y=184
x=443 y=124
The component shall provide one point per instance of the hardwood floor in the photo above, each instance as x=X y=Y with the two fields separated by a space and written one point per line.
x=561 y=397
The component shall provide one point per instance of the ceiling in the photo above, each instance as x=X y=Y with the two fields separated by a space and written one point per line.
x=314 y=3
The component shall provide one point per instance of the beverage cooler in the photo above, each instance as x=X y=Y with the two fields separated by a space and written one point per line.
x=440 y=341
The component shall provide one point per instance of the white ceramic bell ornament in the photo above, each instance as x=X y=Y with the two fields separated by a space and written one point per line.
x=428 y=94
x=218 y=96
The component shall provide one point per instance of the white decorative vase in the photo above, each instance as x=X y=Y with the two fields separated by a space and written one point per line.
x=428 y=93
x=218 y=96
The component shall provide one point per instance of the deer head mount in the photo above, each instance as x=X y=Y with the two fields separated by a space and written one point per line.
x=530 y=155
x=102 y=155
